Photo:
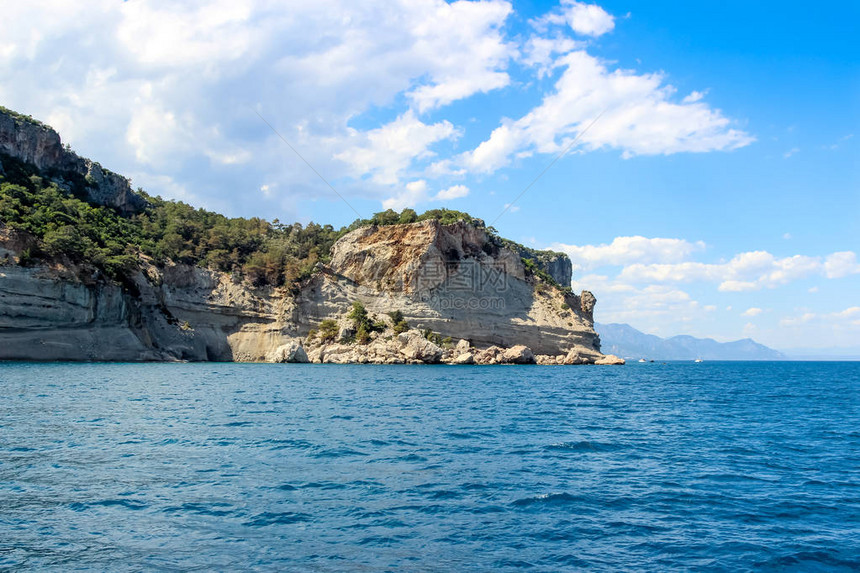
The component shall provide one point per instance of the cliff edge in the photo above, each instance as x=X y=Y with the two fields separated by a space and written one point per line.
x=30 y=141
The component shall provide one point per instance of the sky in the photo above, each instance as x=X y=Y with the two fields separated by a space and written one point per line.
x=697 y=162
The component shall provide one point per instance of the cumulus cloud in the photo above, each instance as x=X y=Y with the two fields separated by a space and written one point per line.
x=453 y=192
x=652 y=296
x=627 y=250
x=694 y=97
x=584 y=19
x=639 y=117
x=744 y=272
x=588 y=19
x=841 y=264
x=658 y=260
x=171 y=88
x=540 y=52
x=417 y=192
x=654 y=308
x=388 y=151
x=848 y=318
x=159 y=85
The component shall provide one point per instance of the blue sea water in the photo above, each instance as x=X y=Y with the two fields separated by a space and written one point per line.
x=646 y=467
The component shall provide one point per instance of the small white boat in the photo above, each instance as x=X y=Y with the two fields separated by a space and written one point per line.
x=698 y=360
x=642 y=360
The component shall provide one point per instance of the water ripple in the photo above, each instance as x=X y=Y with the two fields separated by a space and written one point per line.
x=713 y=467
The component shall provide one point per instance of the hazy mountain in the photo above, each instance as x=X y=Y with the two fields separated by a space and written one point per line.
x=625 y=341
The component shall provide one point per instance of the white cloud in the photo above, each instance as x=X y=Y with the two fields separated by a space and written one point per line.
x=453 y=192
x=746 y=271
x=465 y=50
x=177 y=35
x=639 y=118
x=651 y=297
x=694 y=96
x=161 y=88
x=415 y=192
x=157 y=85
x=588 y=19
x=584 y=19
x=654 y=308
x=387 y=152
x=155 y=134
x=626 y=250
x=791 y=152
x=841 y=264
x=169 y=187
x=660 y=260
x=540 y=52
x=844 y=319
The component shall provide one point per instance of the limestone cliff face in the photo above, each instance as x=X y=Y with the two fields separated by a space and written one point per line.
x=37 y=144
x=452 y=279
x=178 y=313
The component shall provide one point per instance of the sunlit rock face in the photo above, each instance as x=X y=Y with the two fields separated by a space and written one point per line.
x=452 y=280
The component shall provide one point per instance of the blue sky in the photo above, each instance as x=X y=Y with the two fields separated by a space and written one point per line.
x=717 y=195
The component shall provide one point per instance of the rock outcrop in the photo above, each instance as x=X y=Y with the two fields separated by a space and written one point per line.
x=293 y=352
x=556 y=265
x=33 y=142
x=451 y=279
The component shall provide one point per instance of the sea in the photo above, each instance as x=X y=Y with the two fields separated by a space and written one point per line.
x=716 y=466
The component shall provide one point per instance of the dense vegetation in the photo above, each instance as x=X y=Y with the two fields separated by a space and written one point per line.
x=444 y=216
x=65 y=227
x=61 y=226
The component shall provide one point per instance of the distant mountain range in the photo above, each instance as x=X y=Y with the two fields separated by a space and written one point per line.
x=625 y=341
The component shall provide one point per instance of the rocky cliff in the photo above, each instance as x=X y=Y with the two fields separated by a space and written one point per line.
x=461 y=294
x=557 y=265
x=454 y=280
x=30 y=141
x=451 y=280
